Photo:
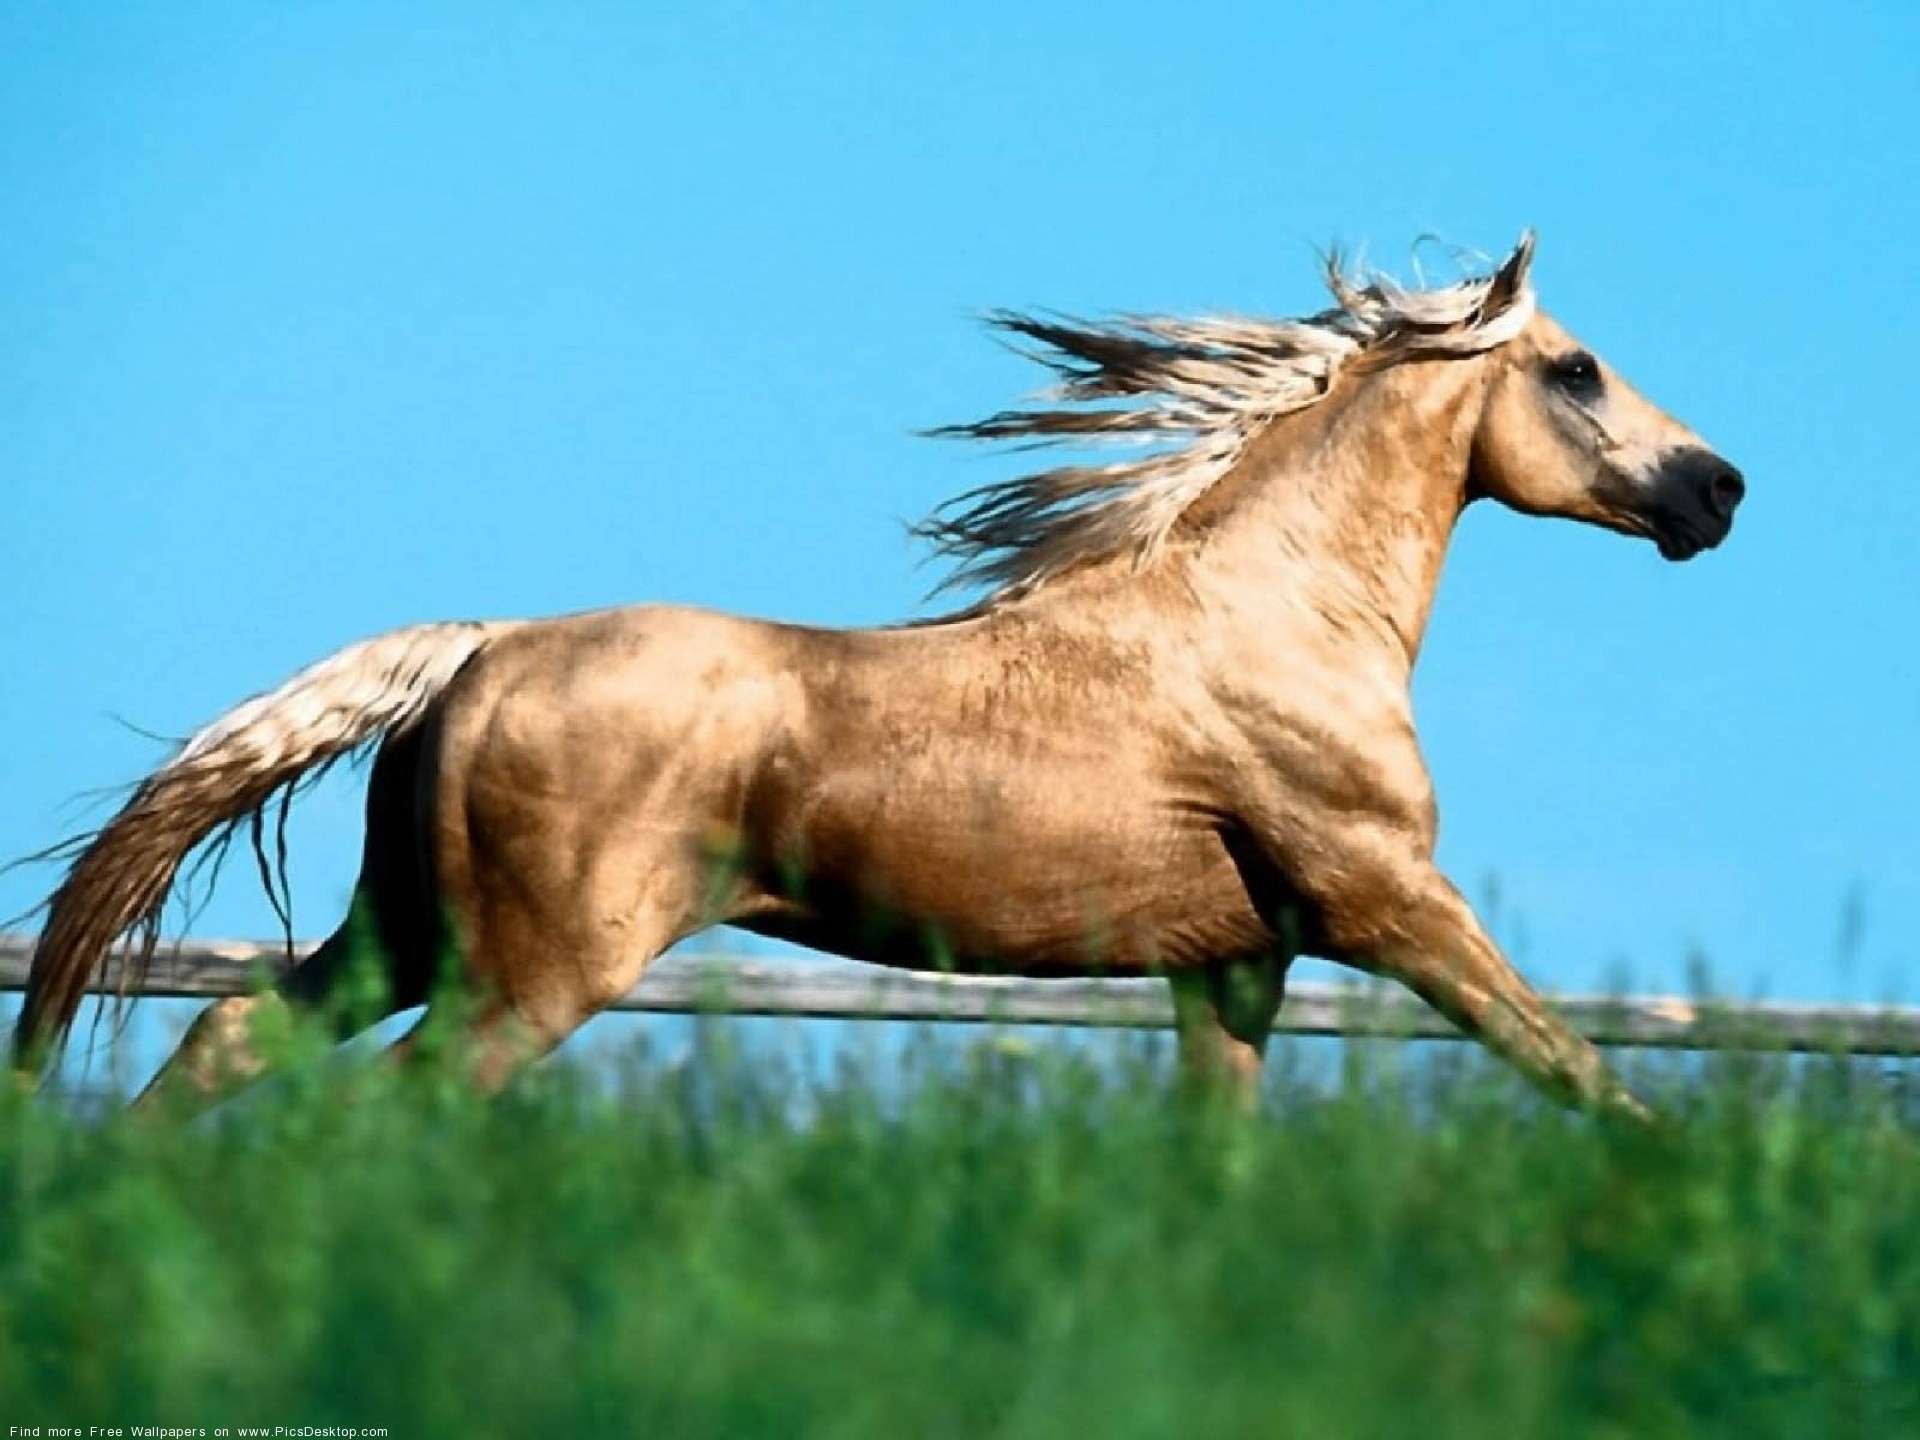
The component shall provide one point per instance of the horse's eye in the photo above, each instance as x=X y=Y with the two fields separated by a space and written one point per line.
x=1577 y=372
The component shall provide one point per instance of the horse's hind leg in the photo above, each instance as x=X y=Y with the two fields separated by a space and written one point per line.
x=555 y=925
x=1223 y=1014
x=378 y=963
x=590 y=801
x=520 y=1004
x=227 y=1047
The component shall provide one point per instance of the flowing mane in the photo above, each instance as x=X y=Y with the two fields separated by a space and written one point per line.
x=1191 y=394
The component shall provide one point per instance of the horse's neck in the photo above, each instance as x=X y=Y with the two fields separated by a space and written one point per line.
x=1342 y=515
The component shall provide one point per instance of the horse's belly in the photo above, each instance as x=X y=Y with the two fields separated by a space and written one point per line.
x=1096 y=885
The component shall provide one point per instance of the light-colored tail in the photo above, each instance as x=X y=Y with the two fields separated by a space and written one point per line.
x=118 y=884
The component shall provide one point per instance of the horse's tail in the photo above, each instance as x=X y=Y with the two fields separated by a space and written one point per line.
x=118 y=882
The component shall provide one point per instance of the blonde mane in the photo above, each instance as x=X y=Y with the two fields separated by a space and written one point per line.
x=1191 y=393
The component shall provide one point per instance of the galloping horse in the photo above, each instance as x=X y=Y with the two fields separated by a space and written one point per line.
x=1176 y=738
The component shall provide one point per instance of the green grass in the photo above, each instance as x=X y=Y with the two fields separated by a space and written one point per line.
x=969 y=1241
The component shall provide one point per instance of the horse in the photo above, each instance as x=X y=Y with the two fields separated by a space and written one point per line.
x=1174 y=737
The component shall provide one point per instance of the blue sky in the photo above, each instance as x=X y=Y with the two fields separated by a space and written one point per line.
x=320 y=320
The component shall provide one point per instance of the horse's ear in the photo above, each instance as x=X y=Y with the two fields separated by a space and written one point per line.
x=1510 y=280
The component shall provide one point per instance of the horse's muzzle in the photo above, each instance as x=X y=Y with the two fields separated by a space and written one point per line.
x=1694 y=495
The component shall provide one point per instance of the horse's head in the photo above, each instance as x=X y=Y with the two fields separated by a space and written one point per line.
x=1562 y=434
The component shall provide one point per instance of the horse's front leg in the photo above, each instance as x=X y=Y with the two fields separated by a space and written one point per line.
x=1350 y=831
x=1223 y=1013
x=1420 y=931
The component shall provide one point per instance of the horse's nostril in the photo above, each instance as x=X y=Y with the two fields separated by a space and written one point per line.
x=1727 y=490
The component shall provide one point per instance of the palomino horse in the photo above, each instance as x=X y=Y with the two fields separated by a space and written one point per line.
x=1176 y=738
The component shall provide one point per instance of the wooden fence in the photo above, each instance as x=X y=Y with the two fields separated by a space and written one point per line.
x=841 y=990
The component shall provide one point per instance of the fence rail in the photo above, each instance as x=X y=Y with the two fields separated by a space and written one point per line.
x=842 y=990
